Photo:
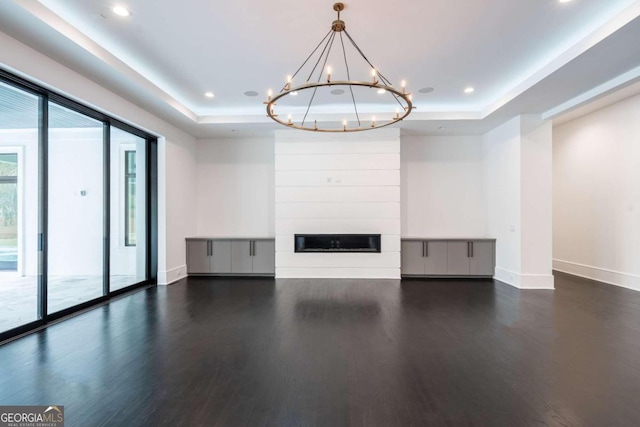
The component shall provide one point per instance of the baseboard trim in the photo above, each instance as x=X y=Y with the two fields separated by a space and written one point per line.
x=169 y=277
x=603 y=275
x=525 y=281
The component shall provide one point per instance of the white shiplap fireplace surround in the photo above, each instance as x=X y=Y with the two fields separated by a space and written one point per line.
x=337 y=183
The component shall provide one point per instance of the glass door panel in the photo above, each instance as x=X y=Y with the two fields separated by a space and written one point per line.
x=75 y=208
x=19 y=257
x=128 y=252
x=9 y=211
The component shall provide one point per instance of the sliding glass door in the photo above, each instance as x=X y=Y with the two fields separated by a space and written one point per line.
x=128 y=252
x=75 y=214
x=19 y=207
x=78 y=215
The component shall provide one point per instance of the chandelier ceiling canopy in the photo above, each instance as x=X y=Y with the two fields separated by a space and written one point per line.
x=317 y=76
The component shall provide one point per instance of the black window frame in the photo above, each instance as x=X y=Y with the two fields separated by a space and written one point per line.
x=45 y=96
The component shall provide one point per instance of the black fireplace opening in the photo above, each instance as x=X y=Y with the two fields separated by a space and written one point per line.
x=337 y=243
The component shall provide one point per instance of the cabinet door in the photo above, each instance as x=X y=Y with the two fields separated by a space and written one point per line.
x=458 y=258
x=482 y=259
x=198 y=256
x=241 y=259
x=435 y=260
x=412 y=258
x=264 y=256
x=221 y=256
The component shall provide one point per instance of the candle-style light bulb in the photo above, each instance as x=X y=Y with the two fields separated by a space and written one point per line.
x=374 y=73
x=269 y=95
x=373 y=121
x=397 y=113
x=403 y=85
x=344 y=125
x=288 y=85
x=328 y=74
x=290 y=122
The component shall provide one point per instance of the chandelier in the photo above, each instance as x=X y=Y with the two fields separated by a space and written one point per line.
x=320 y=77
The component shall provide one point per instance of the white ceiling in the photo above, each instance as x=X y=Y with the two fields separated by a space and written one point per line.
x=522 y=56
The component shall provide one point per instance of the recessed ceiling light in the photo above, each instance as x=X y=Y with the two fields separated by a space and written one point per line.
x=209 y=94
x=337 y=92
x=121 y=11
x=469 y=90
x=564 y=1
x=251 y=93
x=426 y=90
x=381 y=91
x=294 y=93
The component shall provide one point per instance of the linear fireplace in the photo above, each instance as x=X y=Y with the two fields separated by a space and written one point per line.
x=337 y=243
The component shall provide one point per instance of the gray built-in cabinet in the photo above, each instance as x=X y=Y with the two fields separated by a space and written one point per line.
x=231 y=257
x=448 y=257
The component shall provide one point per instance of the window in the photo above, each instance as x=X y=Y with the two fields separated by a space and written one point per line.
x=69 y=196
x=8 y=211
x=130 y=198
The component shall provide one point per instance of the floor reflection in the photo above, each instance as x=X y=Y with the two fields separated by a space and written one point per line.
x=18 y=295
x=339 y=352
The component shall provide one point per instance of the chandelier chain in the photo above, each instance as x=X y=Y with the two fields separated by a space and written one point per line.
x=382 y=77
x=320 y=57
x=346 y=64
x=308 y=58
x=315 y=90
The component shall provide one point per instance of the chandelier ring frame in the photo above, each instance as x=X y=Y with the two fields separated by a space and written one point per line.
x=271 y=113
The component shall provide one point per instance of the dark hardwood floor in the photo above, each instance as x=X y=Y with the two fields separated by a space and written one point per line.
x=257 y=352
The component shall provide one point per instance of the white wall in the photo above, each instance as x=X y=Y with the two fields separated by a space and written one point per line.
x=236 y=187
x=442 y=187
x=338 y=183
x=517 y=178
x=502 y=184
x=75 y=221
x=596 y=195
x=177 y=188
x=536 y=198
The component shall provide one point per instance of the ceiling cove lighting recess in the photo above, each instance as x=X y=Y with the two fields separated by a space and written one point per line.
x=315 y=74
x=121 y=10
